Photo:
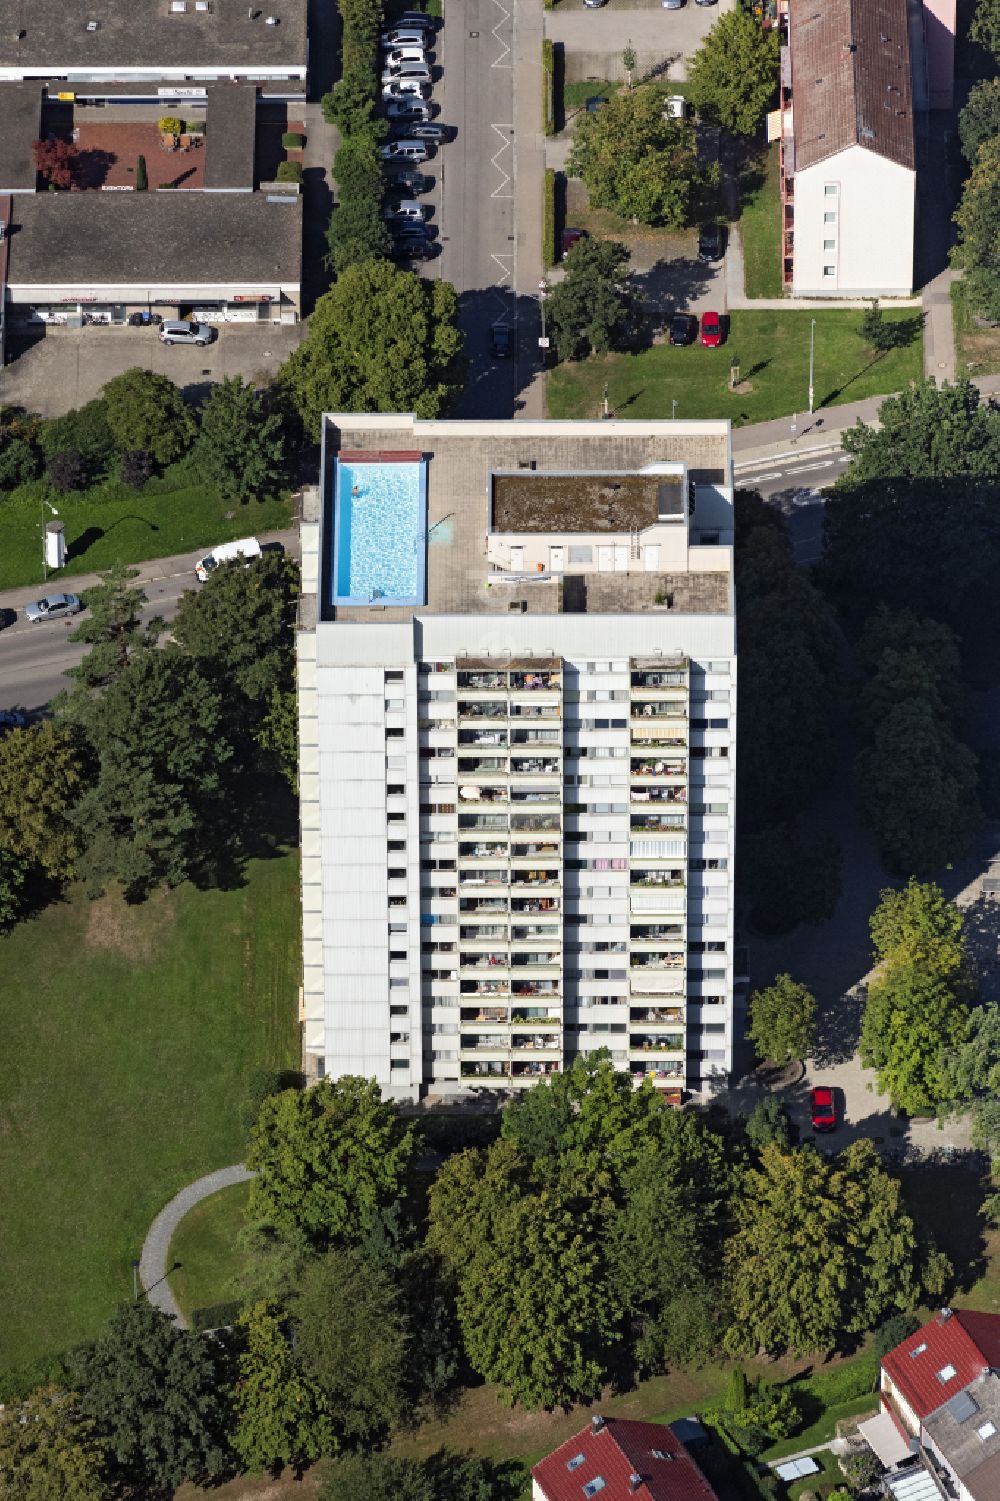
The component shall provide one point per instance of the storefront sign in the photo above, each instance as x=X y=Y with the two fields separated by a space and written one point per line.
x=114 y=187
x=181 y=93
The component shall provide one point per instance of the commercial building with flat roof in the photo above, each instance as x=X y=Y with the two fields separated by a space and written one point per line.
x=517 y=699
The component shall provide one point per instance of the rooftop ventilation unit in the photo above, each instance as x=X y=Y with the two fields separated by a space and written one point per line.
x=273 y=21
x=92 y=25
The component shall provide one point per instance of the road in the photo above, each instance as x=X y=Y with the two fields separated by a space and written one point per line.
x=792 y=482
x=33 y=658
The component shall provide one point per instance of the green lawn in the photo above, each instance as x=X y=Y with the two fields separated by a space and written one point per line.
x=110 y=524
x=205 y=1248
x=129 y=1038
x=760 y=230
x=977 y=350
x=773 y=351
x=575 y=95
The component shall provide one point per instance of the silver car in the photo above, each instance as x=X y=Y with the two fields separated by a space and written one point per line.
x=177 y=331
x=53 y=606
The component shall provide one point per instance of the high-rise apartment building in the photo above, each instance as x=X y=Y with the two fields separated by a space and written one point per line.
x=517 y=699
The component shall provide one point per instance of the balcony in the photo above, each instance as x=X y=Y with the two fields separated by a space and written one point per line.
x=657 y=961
x=483 y=961
x=482 y=680
x=531 y=1017
x=659 y=770
x=534 y=681
x=656 y=1014
x=660 y=1073
x=650 y=932
x=540 y=878
x=672 y=1042
x=525 y=766
x=483 y=933
x=534 y=711
x=484 y=1042
x=535 y=851
x=660 y=709
x=534 y=737
x=535 y=987
x=485 y=822
x=534 y=1070
x=534 y=904
x=537 y=1042
x=482 y=737
x=476 y=709
x=541 y=959
x=535 y=930
x=493 y=1015
x=483 y=904
x=484 y=987
x=671 y=679
x=484 y=849
x=469 y=794
x=667 y=879
x=484 y=1070
x=534 y=823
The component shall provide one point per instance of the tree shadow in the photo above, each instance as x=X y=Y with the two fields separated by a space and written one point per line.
x=757 y=369
x=838 y=1028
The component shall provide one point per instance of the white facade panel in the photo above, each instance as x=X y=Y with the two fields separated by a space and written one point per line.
x=866 y=248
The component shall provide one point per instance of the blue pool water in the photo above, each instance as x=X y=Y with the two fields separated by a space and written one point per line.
x=380 y=533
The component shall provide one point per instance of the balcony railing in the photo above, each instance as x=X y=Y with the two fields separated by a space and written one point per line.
x=484 y=1070
x=658 y=769
x=482 y=680
x=482 y=904
x=476 y=709
x=482 y=737
x=524 y=766
x=671 y=1043
x=490 y=1014
x=534 y=680
x=538 y=1042
x=535 y=987
x=659 y=710
x=534 y=1070
x=657 y=961
x=534 y=904
x=534 y=851
x=667 y=1014
x=534 y=930
x=649 y=932
x=534 y=737
x=483 y=961
x=659 y=679
x=662 y=1071
x=658 y=795
x=656 y=878
x=522 y=878
x=484 y=1042
x=534 y=711
x=484 y=987
x=533 y=1018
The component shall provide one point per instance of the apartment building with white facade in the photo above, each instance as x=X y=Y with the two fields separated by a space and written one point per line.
x=517 y=698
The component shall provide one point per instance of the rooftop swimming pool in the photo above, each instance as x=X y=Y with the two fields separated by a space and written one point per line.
x=380 y=530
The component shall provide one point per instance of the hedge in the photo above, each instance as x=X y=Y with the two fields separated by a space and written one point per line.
x=548 y=86
x=356 y=231
x=289 y=172
x=293 y=140
x=549 y=256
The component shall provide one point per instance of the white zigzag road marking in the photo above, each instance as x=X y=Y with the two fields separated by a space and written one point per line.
x=498 y=191
x=501 y=61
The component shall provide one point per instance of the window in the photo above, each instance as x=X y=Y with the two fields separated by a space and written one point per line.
x=829 y=244
x=593 y=1486
x=575 y=1462
x=946 y=1373
x=394 y=677
x=918 y=1349
x=829 y=270
x=830 y=190
x=830 y=217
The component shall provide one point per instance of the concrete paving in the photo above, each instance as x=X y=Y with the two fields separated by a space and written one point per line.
x=67 y=367
x=663 y=39
x=153 y=1263
x=939 y=327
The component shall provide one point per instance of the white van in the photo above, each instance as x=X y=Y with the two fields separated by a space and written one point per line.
x=227 y=552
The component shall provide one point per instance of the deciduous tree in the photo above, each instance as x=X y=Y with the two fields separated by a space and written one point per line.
x=49 y=1452
x=153 y=1393
x=790 y=877
x=44 y=771
x=328 y=1160
x=84 y=429
x=240 y=444
x=985 y=27
x=281 y=1416
x=593 y=309
x=381 y=341
x=782 y=1016
x=925 y=431
x=146 y=410
x=352 y=1338
x=912 y=1022
x=638 y=161
x=56 y=162
x=979 y=120
x=769 y=1124
x=978 y=219
x=733 y=77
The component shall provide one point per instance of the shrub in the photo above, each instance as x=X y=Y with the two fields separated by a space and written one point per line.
x=216 y=1315
x=136 y=467
x=893 y=1332
x=548 y=85
x=141 y=176
x=549 y=218
x=170 y=125
x=292 y=140
x=18 y=463
x=66 y=471
x=84 y=428
x=289 y=172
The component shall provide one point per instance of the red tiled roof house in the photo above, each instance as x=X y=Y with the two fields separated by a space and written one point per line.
x=617 y=1459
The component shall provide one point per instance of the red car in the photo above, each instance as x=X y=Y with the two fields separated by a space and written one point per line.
x=711 y=331
x=823 y=1108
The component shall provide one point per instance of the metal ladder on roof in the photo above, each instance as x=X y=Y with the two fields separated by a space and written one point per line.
x=635 y=549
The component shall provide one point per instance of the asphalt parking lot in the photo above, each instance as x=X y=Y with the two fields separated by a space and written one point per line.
x=66 y=367
x=594 y=39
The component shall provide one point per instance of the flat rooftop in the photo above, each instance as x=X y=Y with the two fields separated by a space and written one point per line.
x=124 y=238
x=599 y=502
x=20 y=127
x=466 y=459
x=53 y=35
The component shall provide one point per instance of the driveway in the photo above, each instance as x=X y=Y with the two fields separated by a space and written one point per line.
x=663 y=39
x=67 y=367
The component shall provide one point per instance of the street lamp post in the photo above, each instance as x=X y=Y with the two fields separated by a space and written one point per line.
x=673 y=409
x=812 y=357
x=45 y=561
x=543 y=287
x=135 y=1281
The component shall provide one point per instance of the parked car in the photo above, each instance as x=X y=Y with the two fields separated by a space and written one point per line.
x=405 y=88
x=418 y=20
x=247 y=548
x=594 y=4
x=431 y=130
x=406 y=179
x=411 y=229
x=399 y=55
x=675 y=107
x=403 y=112
x=823 y=1108
x=672 y=4
x=503 y=340
x=7 y=617
x=178 y=331
x=53 y=607
x=569 y=239
x=407 y=73
x=406 y=150
x=711 y=330
x=413 y=250
x=683 y=327
x=10 y=719
x=405 y=208
x=403 y=37
x=711 y=242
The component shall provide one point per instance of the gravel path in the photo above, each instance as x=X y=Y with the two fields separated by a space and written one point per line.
x=156 y=1247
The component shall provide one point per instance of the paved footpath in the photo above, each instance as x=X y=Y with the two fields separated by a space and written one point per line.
x=156 y=1246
